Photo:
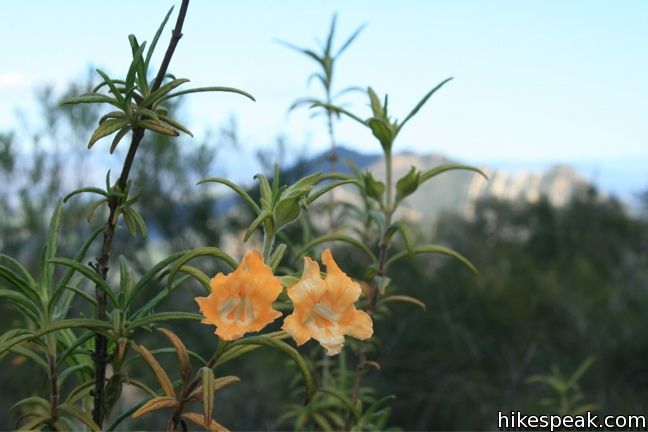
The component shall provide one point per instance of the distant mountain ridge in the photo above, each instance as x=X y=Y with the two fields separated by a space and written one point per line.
x=457 y=191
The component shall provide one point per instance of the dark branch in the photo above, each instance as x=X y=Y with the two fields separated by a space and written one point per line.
x=101 y=356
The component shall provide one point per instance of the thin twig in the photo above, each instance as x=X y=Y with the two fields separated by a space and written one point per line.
x=101 y=356
x=381 y=269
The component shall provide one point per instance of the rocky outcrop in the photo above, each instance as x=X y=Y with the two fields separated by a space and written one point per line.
x=458 y=191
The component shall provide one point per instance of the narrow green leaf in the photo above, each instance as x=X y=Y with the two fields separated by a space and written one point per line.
x=198 y=252
x=158 y=351
x=70 y=272
x=405 y=233
x=25 y=352
x=150 y=305
x=99 y=326
x=156 y=404
x=350 y=40
x=263 y=216
x=421 y=103
x=428 y=174
x=207 y=380
x=306 y=52
x=138 y=60
x=235 y=352
x=219 y=383
x=93 y=207
x=106 y=128
x=23 y=271
x=37 y=420
x=159 y=372
x=339 y=110
x=95 y=190
x=90 y=98
x=83 y=417
x=277 y=344
x=322 y=422
x=140 y=223
x=342 y=398
x=72 y=369
x=174 y=124
x=47 y=268
x=154 y=42
x=376 y=107
x=277 y=256
x=80 y=340
x=113 y=89
x=150 y=100
x=578 y=373
x=329 y=39
x=125 y=281
x=157 y=127
x=325 y=189
x=149 y=275
x=132 y=70
x=434 y=249
x=130 y=222
x=123 y=416
x=304 y=101
x=208 y=89
x=336 y=237
x=25 y=287
x=183 y=355
x=375 y=406
x=22 y=303
x=112 y=115
x=247 y=198
x=198 y=419
x=403 y=298
x=118 y=137
x=197 y=274
x=163 y=316
x=88 y=273
x=103 y=83
x=36 y=400
x=267 y=200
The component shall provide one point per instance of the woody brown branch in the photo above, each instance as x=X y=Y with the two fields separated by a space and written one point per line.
x=101 y=356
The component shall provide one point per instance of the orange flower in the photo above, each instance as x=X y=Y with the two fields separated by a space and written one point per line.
x=241 y=302
x=324 y=308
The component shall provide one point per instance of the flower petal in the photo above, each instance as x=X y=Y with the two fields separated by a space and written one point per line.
x=310 y=288
x=342 y=290
x=360 y=326
x=296 y=329
x=241 y=302
x=324 y=308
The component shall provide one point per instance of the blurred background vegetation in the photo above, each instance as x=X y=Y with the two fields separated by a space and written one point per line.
x=559 y=287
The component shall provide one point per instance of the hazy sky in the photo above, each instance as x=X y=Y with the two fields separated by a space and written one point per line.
x=534 y=80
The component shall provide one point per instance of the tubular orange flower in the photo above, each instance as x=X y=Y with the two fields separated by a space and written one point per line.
x=241 y=302
x=324 y=308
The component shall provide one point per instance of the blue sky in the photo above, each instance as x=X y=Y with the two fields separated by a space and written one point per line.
x=535 y=81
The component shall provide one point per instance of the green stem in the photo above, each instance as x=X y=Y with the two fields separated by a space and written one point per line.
x=53 y=377
x=381 y=268
x=389 y=181
x=333 y=158
x=268 y=241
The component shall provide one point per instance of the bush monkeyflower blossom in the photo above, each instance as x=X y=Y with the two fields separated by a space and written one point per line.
x=324 y=308
x=241 y=302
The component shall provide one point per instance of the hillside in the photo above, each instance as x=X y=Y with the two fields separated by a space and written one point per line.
x=458 y=191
